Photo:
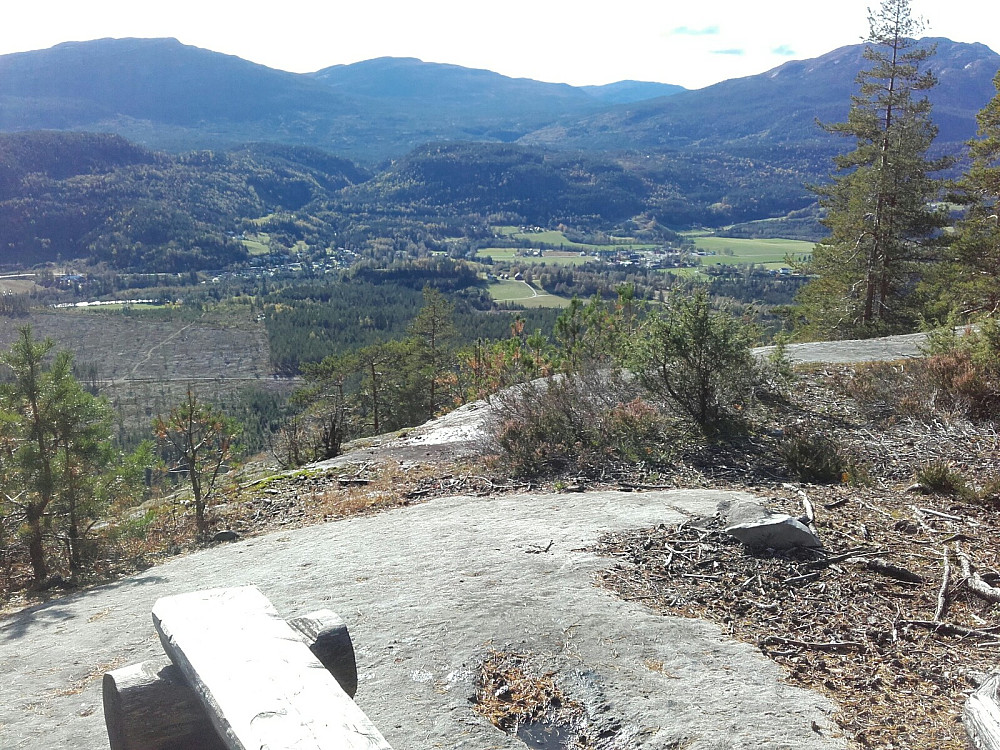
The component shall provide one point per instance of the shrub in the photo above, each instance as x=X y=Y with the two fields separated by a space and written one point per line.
x=938 y=478
x=813 y=457
x=585 y=424
x=888 y=390
x=700 y=361
x=989 y=493
x=966 y=369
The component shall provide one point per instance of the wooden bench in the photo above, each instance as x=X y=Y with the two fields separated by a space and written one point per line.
x=241 y=678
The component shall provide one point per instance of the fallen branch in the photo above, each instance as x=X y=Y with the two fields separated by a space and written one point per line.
x=826 y=562
x=893 y=571
x=949 y=629
x=939 y=514
x=773 y=640
x=974 y=582
x=942 y=600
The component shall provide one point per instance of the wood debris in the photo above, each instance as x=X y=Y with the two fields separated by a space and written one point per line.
x=878 y=621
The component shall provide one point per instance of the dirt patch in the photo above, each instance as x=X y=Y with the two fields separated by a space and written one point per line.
x=870 y=621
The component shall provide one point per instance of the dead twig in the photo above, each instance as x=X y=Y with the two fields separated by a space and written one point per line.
x=814 y=645
x=826 y=562
x=893 y=571
x=942 y=600
x=802 y=578
x=939 y=514
x=951 y=629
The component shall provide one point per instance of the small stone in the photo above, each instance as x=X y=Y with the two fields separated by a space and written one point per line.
x=776 y=531
x=226 y=536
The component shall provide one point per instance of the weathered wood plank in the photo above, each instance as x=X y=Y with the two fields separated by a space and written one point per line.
x=330 y=642
x=260 y=684
x=982 y=714
x=150 y=706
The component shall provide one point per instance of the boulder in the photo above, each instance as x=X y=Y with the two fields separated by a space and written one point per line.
x=774 y=531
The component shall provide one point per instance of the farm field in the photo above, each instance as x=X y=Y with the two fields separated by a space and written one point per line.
x=257 y=244
x=550 y=257
x=771 y=253
x=553 y=237
x=525 y=295
x=16 y=284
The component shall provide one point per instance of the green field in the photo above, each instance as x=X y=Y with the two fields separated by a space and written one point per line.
x=550 y=257
x=553 y=237
x=522 y=294
x=257 y=244
x=771 y=253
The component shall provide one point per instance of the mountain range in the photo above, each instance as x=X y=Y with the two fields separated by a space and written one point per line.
x=188 y=148
x=164 y=94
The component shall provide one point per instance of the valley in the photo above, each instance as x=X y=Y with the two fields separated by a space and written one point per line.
x=395 y=328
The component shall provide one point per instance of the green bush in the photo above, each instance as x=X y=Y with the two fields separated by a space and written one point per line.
x=813 y=457
x=939 y=478
x=989 y=493
x=700 y=362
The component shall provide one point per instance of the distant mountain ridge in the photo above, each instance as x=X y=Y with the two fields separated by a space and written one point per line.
x=778 y=107
x=164 y=94
x=409 y=79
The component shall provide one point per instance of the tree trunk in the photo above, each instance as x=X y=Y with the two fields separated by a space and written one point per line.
x=982 y=715
x=36 y=545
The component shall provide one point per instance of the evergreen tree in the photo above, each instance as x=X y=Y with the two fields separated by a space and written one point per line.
x=54 y=439
x=883 y=228
x=975 y=287
x=81 y=428
x=433 y=335
x=700 y=361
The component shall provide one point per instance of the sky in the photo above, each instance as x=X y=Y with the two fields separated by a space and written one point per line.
x=581 y=42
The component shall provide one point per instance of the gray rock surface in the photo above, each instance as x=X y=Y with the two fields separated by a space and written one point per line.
x=425 y=591
x=884 y=349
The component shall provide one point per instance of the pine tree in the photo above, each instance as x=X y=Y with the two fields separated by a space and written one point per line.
x=975 y=287
x=53 y=442
x=883 y=227
x=433 y=334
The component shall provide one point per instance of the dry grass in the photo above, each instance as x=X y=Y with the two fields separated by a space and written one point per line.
x=511 y=692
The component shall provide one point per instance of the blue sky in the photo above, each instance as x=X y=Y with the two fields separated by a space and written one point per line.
x=581 y=42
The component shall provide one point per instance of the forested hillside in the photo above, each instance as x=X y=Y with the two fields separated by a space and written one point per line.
x=102 y=198
x=67 y=195
x=778 y=109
